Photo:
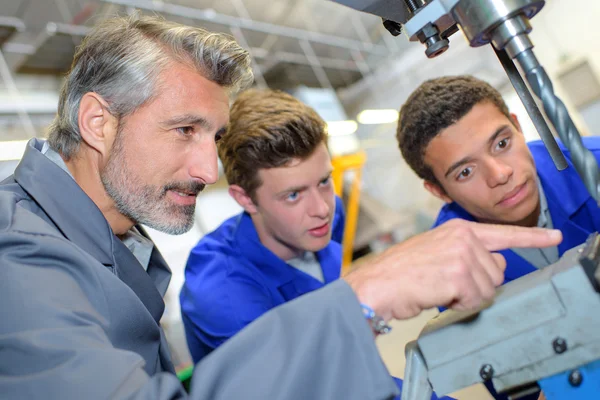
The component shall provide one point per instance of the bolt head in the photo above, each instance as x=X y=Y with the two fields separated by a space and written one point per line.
x=575 y=378
x=559 y=345
x=486 y=372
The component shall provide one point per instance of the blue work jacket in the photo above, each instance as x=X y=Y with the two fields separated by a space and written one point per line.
x=231 y=279
x=573 y=210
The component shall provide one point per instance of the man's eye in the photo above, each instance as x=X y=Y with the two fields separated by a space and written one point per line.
x=503 y=143
x=185 y=130
x=292 y=196
x=325 y=181
x=218 y=137
x=465 y=173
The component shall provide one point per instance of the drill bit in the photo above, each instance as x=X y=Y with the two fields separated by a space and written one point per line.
x=583 y=160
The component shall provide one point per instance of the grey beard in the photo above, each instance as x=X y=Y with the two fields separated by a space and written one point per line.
x=142 y=204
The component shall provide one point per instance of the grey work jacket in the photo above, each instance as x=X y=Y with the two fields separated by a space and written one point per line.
x=80 y=316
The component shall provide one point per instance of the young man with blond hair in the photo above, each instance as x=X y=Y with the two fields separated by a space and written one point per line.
x=278 y=167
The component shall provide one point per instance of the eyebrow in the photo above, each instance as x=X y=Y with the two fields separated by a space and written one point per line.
x=465 y=160
x=301 y=188
x=189 y=119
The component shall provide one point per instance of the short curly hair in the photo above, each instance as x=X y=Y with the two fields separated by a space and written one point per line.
x=435 y=105
x=267 y=129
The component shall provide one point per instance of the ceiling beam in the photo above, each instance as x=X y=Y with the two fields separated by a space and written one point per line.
x=208 y=15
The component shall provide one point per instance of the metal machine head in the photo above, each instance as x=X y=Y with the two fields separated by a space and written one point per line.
x=539 y=326
x=433 y=22
x=505 y=25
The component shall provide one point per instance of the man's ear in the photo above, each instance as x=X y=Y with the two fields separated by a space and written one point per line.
x=437 y=191
x=242 y=198
x=515 y=121
x=98 y=127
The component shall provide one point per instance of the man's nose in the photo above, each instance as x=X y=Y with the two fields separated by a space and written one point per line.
x=499 y=172
x=319 y=206
x=204 y=162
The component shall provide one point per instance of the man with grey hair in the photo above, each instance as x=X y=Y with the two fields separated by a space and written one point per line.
x=81 y=284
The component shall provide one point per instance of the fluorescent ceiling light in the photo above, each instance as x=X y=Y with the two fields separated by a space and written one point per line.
x=341 y=128
x=12 y=150
x=369 y=117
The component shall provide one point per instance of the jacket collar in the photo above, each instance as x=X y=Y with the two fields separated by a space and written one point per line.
x=564 y=188
x=274 y=267
x=252 y=248
x=66 y=204
x=331 y=261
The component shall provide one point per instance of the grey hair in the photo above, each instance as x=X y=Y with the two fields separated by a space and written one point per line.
x=121 y=60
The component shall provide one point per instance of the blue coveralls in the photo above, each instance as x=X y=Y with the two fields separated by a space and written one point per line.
x=231 y=279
